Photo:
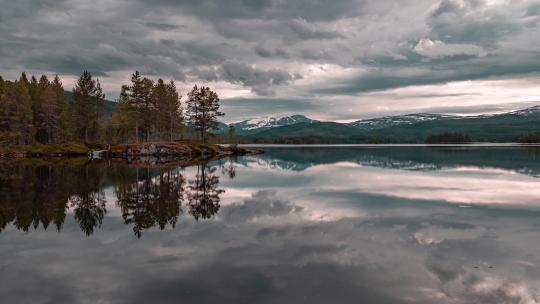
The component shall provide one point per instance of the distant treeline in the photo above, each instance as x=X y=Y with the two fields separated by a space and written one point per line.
x=449 y=138
x=442 y=138
x=37 y=111
x=530 y=138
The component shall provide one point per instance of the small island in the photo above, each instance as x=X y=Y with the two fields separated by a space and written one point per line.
x=39 y=119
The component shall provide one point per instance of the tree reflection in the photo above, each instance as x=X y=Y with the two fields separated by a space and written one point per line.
x=31 y=195
x=229 y=168
x=41 y=194
x=34 y=194
x=153 y=199
x=204 y=195
x=50 y=197
x=88 y=200
x=89 y=210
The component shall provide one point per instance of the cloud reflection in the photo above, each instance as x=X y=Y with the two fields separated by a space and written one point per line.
x=330 y=232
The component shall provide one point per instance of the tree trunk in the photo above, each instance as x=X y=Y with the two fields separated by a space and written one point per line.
x=170 y=129
x=136 y=131
x=203 y=128
x=86 y=134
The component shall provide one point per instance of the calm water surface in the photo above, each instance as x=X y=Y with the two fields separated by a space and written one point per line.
x=296 y=225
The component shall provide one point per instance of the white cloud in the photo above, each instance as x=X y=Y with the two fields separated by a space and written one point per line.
x=438 y=49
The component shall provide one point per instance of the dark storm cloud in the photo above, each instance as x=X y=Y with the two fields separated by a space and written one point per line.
x=209 y=74
x=163 y=26
x=24 y=8
x=426 y=73
x=288 y=30
x=319 y=10
x=533 y=9
x=446 y=7
x=267 y=46
x=261 y=81
x=271 y=53
x=458 y=23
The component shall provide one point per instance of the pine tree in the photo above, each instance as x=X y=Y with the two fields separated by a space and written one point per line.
x=138 y=101
x=15 y=114
x=33 y=89
x=168 y=108
x=24 y=79
x=88 y=105
x=36 y=89
x=65 y=109
x=175 y=116
x=2 y=85
x=203 y=110
x=49 y=115
x=120 y=124
x=37 y=94
x=149 y=107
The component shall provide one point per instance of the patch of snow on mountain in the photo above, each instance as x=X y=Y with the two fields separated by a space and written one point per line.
x=263 y=123
x=383 y=122
x=527 y=111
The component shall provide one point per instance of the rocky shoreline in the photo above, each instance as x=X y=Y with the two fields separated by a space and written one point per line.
x=175 y=150
x=190 y=150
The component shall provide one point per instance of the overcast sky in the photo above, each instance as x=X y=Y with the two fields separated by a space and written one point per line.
x=328 y=59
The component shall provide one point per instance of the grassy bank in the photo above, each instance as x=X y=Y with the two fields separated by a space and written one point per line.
x=39 y=150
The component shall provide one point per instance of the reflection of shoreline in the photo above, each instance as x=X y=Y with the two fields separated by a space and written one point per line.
x=522 y=161
x=161 y=162
x=319 y=146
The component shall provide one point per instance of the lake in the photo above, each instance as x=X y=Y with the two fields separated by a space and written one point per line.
x=295 y=225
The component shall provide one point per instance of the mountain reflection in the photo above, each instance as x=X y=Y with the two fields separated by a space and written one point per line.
x=35 y=195
x=523 y=160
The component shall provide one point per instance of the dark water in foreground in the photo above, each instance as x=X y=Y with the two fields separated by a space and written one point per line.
x=296 y=225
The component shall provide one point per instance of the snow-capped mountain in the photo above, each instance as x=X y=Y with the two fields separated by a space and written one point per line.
x=505 y=127
x=389 y=121
x=526 y=112
x=256 y=125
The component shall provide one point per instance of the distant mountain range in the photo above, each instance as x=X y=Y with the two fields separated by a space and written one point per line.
x=390 y=121
x=410 y=128
x=254 y=126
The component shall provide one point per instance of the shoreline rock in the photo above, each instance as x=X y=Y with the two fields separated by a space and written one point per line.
x=191 y=150
x=188 y=150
